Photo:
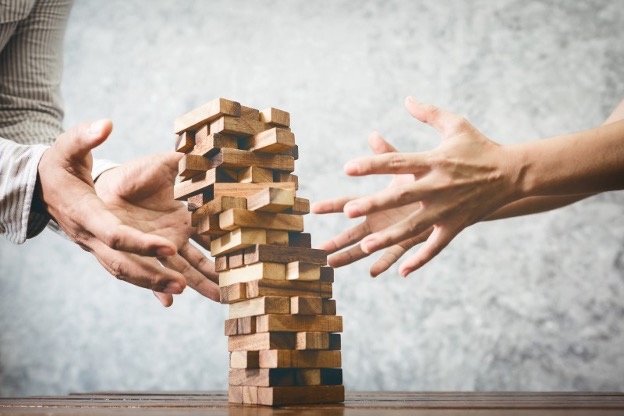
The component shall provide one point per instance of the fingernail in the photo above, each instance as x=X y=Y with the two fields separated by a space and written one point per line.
x=368 y=245
x=173 y=288
x=96 y=128
x=165 y=252
x=353 y=209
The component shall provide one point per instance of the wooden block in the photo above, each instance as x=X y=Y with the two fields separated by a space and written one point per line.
x=217 y=206
x=312 y=341
x=262 y=341
x=209 y=225
x=299 y=359
x=200 y=199
x=303 y=240
x=278 y=238
x=306 y=305
x=298 y=270
x=255 y=174
x=220 y=263
x=237 y=291
x=275 y=140
x=269 y=253
x=275 y=116
x=198 y=183
x=327 y=274
x=234 y=158
x=205 y=114
x=237 y=126
x=298 y=323
x=264 y=270
x=185 y=142
x=246 y=189
x=260 y=306
x=286 y=177
x=236 y=259
x=231 y=327
x=299 y=395
x=335 y=342
x=235 y=394
x=329 y=307
x=236 y=240
x=251 y=113
x=208 y=144
x=266 y=287
x=262 y=377
x=300 y=207
x=271 y=200
x=240 y=218
x=246 y=325
x=244 y=359
x=294 y=152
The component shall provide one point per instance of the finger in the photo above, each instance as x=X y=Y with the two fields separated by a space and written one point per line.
x=165 y=298
x=389 y=163
x=140 y=271
x=346 y=238
x=437 y=241
x=206 y=280
x=394 y=253
x=202 y=240
x=444 y=122
x=392 y=197
x=411 y=227
x=379 y=145
x=194 y=278
x=346 y=257
x=330 y=205
x=77 y=142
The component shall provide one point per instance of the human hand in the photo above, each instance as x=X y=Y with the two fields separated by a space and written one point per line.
x=106 y=227
x=465 y=179
x=374 y=222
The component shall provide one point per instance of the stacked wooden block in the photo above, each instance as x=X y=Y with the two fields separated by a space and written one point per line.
x=283 y=331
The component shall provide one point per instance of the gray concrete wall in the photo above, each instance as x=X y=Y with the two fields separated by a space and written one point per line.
x=525 y=304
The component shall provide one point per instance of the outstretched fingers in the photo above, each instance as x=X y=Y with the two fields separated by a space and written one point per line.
x=437 y=241
x=393 y=253
x=330 y=206
x=346 y=238
x=443 y=121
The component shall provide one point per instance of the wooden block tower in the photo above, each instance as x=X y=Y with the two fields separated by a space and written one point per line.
x=283 y=331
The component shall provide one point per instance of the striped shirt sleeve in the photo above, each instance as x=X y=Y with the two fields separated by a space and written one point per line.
x=31 y=41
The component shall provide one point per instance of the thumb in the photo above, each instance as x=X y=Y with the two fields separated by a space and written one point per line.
x=77 y=142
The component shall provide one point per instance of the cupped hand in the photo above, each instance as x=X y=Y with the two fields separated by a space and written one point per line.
x=374 y=222
x=131 y=224
x=463 y=180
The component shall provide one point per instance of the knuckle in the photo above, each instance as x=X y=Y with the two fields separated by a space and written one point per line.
x=118 y=269
x=113 y=239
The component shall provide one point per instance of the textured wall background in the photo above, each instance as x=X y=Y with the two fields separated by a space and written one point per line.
x=525 y=304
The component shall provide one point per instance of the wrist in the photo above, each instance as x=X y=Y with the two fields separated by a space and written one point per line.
x=519 y=170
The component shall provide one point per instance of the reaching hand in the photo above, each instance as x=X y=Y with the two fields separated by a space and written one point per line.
x=374 y=222
x=465 y=179
x=131 y=221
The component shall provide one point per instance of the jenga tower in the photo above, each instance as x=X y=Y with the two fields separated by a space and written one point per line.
x=283 y=331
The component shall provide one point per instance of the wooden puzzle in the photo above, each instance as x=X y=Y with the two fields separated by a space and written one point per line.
x=236 y=175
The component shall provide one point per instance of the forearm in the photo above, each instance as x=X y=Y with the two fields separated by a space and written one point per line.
x=587 y=162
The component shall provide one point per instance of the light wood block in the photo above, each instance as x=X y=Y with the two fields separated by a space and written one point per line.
x=236 y=240
x=255 y=174
x=249 y=112
x=217 y=206
x=266 y=287
x=237 y=291
x=209 y=225
x=312 y=341
x=246 y=189
x=277 y=238
x=266 y=252
x=264 y=270
x=260 y=306
x=298 y=323
x=198 y=183
x=275 y=116
x=306 y=305
x=271 y=200
x=237 y=218
x=238 y=126
x=300 y=207
x=298 y=270
x=235 y=158
x=275 y=140
x=299 y=359
x=207 y=144
x=221 y=263
x=263 y=377
x=205 y=114
x=262 y=341
x=244 y=359
x=185 y=142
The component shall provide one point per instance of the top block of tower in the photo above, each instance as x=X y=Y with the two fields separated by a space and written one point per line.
x=206 y=113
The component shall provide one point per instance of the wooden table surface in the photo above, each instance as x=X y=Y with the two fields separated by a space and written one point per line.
x=357 y=403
